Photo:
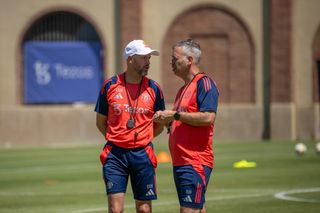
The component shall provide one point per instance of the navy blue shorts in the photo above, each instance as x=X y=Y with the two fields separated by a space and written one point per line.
x=190 y=185
x=139 y=163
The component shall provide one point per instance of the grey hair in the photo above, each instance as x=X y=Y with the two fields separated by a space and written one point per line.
x=190 y=47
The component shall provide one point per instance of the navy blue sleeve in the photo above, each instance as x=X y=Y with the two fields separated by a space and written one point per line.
x=102 y=105
x=159 y=102
x=207 y=95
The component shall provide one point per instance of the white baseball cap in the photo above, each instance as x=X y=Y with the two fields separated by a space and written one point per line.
x=138 y=47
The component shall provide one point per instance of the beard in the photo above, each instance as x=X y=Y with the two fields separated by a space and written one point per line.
x=143 y=71
x=174 y=68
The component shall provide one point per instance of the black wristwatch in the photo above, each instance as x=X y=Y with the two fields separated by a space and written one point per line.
x=176 y=115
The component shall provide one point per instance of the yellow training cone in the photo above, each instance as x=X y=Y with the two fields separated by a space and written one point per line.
x=244 y=164
x=163 y=157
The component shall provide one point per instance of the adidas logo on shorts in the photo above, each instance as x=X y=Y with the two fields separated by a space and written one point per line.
x=187 y=199
x=150 y=192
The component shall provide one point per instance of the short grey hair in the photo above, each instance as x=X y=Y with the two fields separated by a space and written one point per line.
x=190 y=47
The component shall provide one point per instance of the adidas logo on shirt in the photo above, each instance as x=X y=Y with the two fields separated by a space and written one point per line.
x=118 y=96
x=187 y=199
x=150 y=192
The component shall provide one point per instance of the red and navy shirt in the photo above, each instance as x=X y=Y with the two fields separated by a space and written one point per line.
x=113 y=103
x=192 y=145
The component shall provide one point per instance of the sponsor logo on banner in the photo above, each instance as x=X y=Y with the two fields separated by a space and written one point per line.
x=42 y=73
x=73 y=72
x=61 y=71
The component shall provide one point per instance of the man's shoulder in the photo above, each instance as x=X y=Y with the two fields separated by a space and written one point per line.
x=206 y=82
x=203 y=75
x=112 y=80
x=152 y=83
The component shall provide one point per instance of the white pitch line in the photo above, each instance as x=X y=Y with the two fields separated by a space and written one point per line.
x=155 y=203
x=284 y=195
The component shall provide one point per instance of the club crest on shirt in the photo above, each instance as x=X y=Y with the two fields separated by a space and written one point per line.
x=187 y=95
x=145 y=98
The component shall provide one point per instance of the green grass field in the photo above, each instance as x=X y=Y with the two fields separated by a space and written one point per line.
x=68 y=179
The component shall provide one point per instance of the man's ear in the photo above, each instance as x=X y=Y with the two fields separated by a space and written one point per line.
x=130 y=59
x=190 y=59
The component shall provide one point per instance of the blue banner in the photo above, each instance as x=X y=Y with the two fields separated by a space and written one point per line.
x=62 y=72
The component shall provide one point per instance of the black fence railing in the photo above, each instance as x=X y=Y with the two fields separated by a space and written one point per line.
x=61 y=26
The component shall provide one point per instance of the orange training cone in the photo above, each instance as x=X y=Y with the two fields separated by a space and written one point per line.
x=163 y=157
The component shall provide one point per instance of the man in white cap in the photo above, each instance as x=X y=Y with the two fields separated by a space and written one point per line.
x=125 y=109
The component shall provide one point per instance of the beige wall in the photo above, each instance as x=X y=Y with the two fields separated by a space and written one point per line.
x=38 y=125
x=14 y=20
x=306 y=21
x=300 y=119
x=35 y=124
x=158 y=15
x=45 y=124
x=305 y=24
x=242 y=121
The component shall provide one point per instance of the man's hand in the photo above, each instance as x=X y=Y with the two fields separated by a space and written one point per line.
x=165 y=117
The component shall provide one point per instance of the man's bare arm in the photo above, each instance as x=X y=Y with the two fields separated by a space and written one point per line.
x=102 y=123
x=157 y=129
x=191 y=118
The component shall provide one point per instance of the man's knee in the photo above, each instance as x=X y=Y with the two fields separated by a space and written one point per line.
x=143 y=207
x=116 y=203
x=115 y=209
x=189 y=210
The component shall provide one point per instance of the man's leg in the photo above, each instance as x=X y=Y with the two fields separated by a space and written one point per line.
x=207 y=171
x=143 y=178
x=116 y=203
x=203 y=210
x=143 y=206
x=191 y=187
x=115 y=176
x=190 y=210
